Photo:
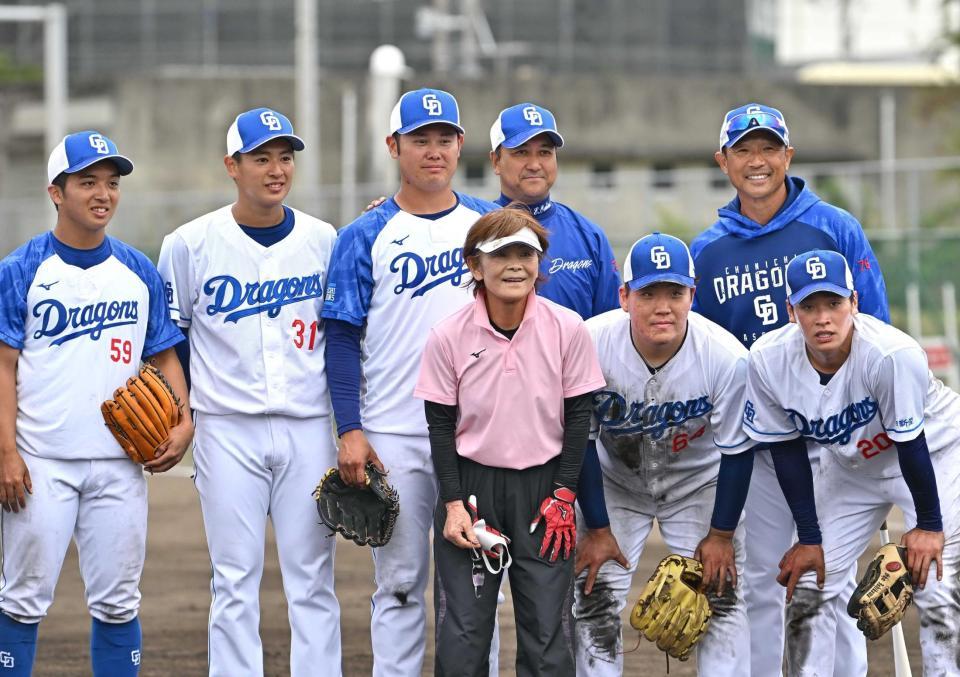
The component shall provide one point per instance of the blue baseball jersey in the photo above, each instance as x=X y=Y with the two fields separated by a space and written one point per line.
x=580 y=266
x=740 y=264
x=84 y=318
x=396 y=275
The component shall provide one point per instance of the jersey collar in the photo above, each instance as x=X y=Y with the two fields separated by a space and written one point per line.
x=540 y=210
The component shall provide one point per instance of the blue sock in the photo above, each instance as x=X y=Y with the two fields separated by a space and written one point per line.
x=115 y=648
x=18 y=647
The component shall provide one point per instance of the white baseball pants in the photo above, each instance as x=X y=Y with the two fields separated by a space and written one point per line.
x=102 y=504
x=249 y=468
x=770 y=532
x=724 y=649
x=851 y=506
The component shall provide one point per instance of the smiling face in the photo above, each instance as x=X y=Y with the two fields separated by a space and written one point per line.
x=427 y=157
x=527 y=172
x=508 y=274
x=826 y=321
x=757 y=166
x=658 y=315
x=87 y=200
x=263 y=176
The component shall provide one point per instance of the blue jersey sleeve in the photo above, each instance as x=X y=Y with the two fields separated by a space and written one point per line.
x=17 y=271
x=350 y=278
x=867 y=277
x=607 y=292
x=162 y=333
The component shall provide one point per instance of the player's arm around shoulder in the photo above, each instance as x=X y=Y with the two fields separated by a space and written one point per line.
x=15 y=481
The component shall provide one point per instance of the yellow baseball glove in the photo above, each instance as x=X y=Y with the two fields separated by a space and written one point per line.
x=671 y=610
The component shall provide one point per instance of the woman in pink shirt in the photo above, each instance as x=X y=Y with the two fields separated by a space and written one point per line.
x=507 y=383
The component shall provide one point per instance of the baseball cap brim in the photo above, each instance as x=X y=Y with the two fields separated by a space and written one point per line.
x=527 y=134
x=752 y=130
x=124 y=165
x=647 y=280
x=414 y=126
x=294 y=140
x=810 y=289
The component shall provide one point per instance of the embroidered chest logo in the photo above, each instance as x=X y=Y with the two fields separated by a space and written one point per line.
x=423 y=273
x=622 y=418
x=399 y=241
x=476 y=355
x=47 y=285
x=837 y=428
x=236 y=299
x=56 y=319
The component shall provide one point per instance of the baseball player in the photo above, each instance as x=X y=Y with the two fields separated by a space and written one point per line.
x=80 y=310
x=518 y=452
x=396 y=271
x=862 y=390
x=666 y=443
x=581 y=269
x=247 y=283
x=740 y=261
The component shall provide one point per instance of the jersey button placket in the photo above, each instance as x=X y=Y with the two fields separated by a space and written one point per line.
x=271 y=332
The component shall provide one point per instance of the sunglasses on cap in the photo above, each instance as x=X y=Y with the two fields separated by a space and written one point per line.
x=748 y=121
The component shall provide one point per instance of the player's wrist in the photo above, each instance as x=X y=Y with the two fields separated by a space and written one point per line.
x=721 y=533
x=565 y=494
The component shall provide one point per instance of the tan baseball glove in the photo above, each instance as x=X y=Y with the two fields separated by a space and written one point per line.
x=141 y=414
x=671 y=610
x=884 y=592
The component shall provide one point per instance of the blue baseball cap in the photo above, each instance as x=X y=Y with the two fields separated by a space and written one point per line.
x=518 y=124
x=256 y=127
x=751 y=118
x=423 y=107
x=818 y=270
x=82 y=149
x=658 y=258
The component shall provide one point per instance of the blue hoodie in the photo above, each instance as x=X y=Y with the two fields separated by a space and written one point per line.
x=741 y=264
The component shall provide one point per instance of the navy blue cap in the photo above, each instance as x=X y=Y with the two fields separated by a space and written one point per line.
x=82 y=149
x=423 y=107
x=752 y=118
x=658 y=258
x=256 y=127
x=818 y=270
x=518 y=124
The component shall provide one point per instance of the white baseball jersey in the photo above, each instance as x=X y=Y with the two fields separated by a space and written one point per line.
x=256 y=338
x=398 y=274
x=81 y=333
x=883 y=393
x=662 y=434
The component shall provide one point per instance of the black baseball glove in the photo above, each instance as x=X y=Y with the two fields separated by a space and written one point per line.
x=366 y=516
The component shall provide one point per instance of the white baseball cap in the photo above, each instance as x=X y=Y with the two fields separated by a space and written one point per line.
x=523 y=236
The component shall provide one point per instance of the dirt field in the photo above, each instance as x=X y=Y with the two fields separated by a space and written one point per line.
x=176 y=599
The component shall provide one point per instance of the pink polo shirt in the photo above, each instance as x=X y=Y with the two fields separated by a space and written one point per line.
x=510 y=393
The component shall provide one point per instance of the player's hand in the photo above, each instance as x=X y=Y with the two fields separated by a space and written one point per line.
x=799 y=560
x=171 y=451
x=923 y=548
x=355 y=451
x=718 y=558
x=595 y=548
x=15 y=482
x=458 y=529
x=374 y=203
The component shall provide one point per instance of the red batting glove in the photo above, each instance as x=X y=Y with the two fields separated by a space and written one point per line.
x=561 y=531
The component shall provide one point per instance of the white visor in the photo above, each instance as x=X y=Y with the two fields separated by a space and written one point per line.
x=523 y=236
